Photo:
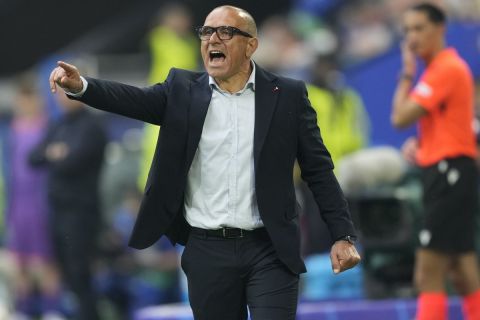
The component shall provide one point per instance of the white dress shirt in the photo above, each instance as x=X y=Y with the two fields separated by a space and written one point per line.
x=220 y=188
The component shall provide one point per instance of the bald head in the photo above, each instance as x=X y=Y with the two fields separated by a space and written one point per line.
x=244 y=16
x=227 y=56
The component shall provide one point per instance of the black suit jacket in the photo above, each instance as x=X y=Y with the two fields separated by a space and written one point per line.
x=285 y=130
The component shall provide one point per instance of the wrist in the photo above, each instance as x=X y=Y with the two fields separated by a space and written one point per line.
x=348 y=238
x=407 y=76
x=81 y=91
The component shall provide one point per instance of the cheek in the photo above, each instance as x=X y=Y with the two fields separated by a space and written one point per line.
x=235 y=56
x=203 y=51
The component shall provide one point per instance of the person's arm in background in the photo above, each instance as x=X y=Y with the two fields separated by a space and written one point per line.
x=405 y=111
x=38 y=155
x=70 y=158
x=86 y=150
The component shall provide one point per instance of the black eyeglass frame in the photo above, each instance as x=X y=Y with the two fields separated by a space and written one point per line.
x=232 y=32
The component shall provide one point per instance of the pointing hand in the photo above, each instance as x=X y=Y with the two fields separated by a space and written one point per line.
x=67 y=77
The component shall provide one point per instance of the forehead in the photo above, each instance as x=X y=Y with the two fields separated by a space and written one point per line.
x=416 y=17
x=223 y=17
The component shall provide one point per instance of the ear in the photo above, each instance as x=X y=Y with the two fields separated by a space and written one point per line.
x=252 y=45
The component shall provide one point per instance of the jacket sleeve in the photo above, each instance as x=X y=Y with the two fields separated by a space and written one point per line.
x=317 y=171
x=144 y=104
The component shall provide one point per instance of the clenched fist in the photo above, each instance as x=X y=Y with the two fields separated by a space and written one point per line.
x=344 y=256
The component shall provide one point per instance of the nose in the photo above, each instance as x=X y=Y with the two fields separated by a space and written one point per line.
x=214 y=38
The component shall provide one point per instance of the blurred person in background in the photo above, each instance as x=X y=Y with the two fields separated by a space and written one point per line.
x=340 y=111
x=281 y=49
x=172 y=30
x=442 y=104
x=72 y=151
x=364 y=30
x=221 y=181
x=27 y=232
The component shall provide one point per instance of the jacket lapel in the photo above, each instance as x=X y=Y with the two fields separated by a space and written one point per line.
x=266 y=96
x=201 y=94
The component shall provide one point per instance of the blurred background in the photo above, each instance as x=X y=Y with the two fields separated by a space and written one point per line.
x=348 y=54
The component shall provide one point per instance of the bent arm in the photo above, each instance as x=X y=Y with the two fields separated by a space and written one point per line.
x=405 y=111
x=317 y=171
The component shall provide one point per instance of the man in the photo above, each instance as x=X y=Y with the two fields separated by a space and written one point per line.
x=442 y=102
x=73 y=151
x=221 y=179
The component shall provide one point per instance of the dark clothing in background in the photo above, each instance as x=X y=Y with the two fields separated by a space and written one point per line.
x=74 y=179
x=74 y=200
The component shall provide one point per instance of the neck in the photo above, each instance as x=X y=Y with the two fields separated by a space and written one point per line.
x=237 y=81
x=428 y=58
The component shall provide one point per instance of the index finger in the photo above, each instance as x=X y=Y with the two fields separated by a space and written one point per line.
x=66 y=66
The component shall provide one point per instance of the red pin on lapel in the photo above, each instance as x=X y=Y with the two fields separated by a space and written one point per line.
x=275 y=89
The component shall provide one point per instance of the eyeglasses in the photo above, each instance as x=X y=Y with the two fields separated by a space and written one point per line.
x=223 y=32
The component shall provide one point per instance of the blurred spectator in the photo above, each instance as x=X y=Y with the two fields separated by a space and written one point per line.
x=72 y=151
x=27 y=237
x=281 y=50
x=320 y=8
x=364 y=30
x=463 y=9
x=172 y=30
x=134 y=279
x=341 y=115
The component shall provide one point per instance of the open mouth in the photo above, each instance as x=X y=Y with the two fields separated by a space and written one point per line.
x=216 y=56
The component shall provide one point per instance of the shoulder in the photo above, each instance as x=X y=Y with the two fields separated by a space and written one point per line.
x=449 y=67
x=293 y=83
x=281 y=81
x=182 y=74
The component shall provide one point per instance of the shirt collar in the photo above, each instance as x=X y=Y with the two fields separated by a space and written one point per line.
x=250 y=82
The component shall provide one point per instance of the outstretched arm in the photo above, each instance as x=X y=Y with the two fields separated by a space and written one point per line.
x=144 y=104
